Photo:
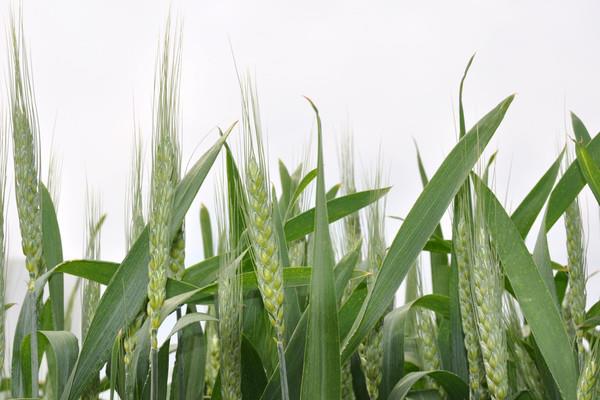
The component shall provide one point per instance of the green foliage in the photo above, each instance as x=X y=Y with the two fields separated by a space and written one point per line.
x=274 y=310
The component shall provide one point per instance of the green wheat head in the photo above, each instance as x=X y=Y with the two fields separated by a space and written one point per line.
x=164 y=164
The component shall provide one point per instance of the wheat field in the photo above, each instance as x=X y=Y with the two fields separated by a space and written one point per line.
x=242 y=276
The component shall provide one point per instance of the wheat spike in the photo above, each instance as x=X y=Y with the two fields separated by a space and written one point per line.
x=463 y=245
x=589 y=380
x=574 y=301
x=486 y=290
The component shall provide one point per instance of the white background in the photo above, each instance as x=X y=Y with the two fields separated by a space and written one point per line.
x=388 y=69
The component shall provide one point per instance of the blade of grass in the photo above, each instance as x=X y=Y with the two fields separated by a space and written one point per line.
x=421 y=222
x=322 y=373
x=589 y=169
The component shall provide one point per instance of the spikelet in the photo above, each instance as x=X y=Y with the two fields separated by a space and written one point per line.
x=163 y=173
x=463 y=248
x=371 y=350
x=259 y=215
x=574 y=301
x=24 y=124
x=486 y=290
x=129 y=347
x=589 y=380
x=177 y=263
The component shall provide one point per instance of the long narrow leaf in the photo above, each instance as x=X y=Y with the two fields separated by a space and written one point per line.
x=421 y=222
x=322 y=373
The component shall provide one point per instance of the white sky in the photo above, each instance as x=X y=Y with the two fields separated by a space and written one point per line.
x=388 y=69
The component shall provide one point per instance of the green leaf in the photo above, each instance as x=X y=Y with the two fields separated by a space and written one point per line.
x=589 y=169
x=306 y=180
x=189 y=319
x=338 y=208
x=125 y=294
x=537 y=304
x=322 y=373
x=206 y=229
x=191 y=351
x=52 y=253
x=333 y=191
x=62 y=349
x=579 y=129
x=295 y=348
x=569 y=186
x=291 y=306
x=254 y=378
x=393 y=349
x=526 y=213
x=440 y=270
x=421 y=222
x=452 y=384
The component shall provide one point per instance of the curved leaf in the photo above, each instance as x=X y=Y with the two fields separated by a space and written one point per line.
x=452 y=384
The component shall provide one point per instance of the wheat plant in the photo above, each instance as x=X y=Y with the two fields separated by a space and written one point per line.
x=271 y=310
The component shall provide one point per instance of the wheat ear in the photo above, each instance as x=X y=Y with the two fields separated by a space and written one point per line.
x=463 y=245
x=574 y=301
x=24 y=124
x=486 y=290
x=269 y=270
x=162 y=188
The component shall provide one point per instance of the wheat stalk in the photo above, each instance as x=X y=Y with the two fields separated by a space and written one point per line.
x=162 y=187
x=258 y=213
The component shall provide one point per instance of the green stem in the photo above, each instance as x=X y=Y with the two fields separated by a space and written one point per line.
x=285 y=395
x=34 y=346
x=180 y=366
x=154 y=368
